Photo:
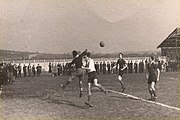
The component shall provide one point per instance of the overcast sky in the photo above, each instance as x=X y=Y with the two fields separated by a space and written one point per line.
x=60 y=26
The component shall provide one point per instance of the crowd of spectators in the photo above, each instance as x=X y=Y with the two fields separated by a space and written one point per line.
x=9 y=71
x=105 y=67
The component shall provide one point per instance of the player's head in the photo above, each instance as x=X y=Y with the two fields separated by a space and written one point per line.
x=74 y=53
x=120 y=55
x=87 y=55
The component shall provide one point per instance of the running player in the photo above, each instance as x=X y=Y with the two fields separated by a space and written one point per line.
x=122 y=66
x=152 y=75
x=79 y=72
x=92 y=77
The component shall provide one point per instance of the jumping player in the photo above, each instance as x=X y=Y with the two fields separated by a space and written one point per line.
x=92 y=77
x=79 y=72
x=122 y=66
x=152 y=75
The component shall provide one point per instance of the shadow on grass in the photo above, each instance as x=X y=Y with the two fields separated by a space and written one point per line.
x=66 y=102
x=121 y=97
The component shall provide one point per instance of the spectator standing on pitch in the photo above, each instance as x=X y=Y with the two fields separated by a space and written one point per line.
x=101 y=67
x=15 y=71
x=97 y=67
x=92 y=77
x=24 y=70
x=109 y=68
x=33 y=70
x=29 y=70
x=79 y=72
x=142 y=66
x=10 y=73
x=63 y=69
x=135 y=67
x=104 y=67
x=122 y=66
x=38 y=70
x=152 y=74
x=19 y=70
x=131 y=67
x=50 y=68
x=54 y=70
x=58 y=68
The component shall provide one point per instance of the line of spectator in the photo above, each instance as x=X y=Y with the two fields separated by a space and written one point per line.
x=10 y=71
x=27 y=70
x=106 y=67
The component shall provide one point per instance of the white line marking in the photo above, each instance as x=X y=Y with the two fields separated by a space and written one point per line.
x=144 y=100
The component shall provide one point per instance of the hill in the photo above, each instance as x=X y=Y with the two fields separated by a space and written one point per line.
x=18 y=55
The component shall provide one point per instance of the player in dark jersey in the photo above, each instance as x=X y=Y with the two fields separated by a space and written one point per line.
x=122 y=66
x=152 y=74
x=79 y=72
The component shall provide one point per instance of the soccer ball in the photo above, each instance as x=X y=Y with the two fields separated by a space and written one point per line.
x=102 y=44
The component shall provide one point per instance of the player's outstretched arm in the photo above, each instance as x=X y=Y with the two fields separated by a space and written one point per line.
x=125 y=66
x=83 y=53
x=114 y=66
x=147 y=73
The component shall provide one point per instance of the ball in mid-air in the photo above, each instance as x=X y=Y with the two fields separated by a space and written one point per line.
x=102 y=44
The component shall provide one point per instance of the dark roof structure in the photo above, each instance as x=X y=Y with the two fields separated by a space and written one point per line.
x=173 y=40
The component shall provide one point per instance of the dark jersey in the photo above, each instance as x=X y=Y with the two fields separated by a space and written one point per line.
x=78 y=61
x=152 y=70
x=121 y=63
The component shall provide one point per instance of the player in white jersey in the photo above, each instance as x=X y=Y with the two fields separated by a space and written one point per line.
x=92 y=77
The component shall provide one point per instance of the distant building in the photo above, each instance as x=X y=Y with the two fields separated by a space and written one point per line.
x=170 y=47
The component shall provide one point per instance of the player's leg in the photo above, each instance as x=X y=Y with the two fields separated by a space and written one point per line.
x=99 y=86
x=80 y=86
x=89 y=95
x=153 y=90
x=121 y=82
x=150 y=90
x=80 y=75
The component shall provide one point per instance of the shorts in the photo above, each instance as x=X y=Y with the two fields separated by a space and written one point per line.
x=152 y=79
x=79 y=72
x=91 y=77
x=121 y=73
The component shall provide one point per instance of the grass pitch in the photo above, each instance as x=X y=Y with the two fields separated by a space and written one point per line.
x=42 y=98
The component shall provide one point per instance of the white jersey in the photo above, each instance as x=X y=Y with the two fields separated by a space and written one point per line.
x=91 y=65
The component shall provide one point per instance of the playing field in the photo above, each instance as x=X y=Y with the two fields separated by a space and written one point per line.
x=42 y=98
